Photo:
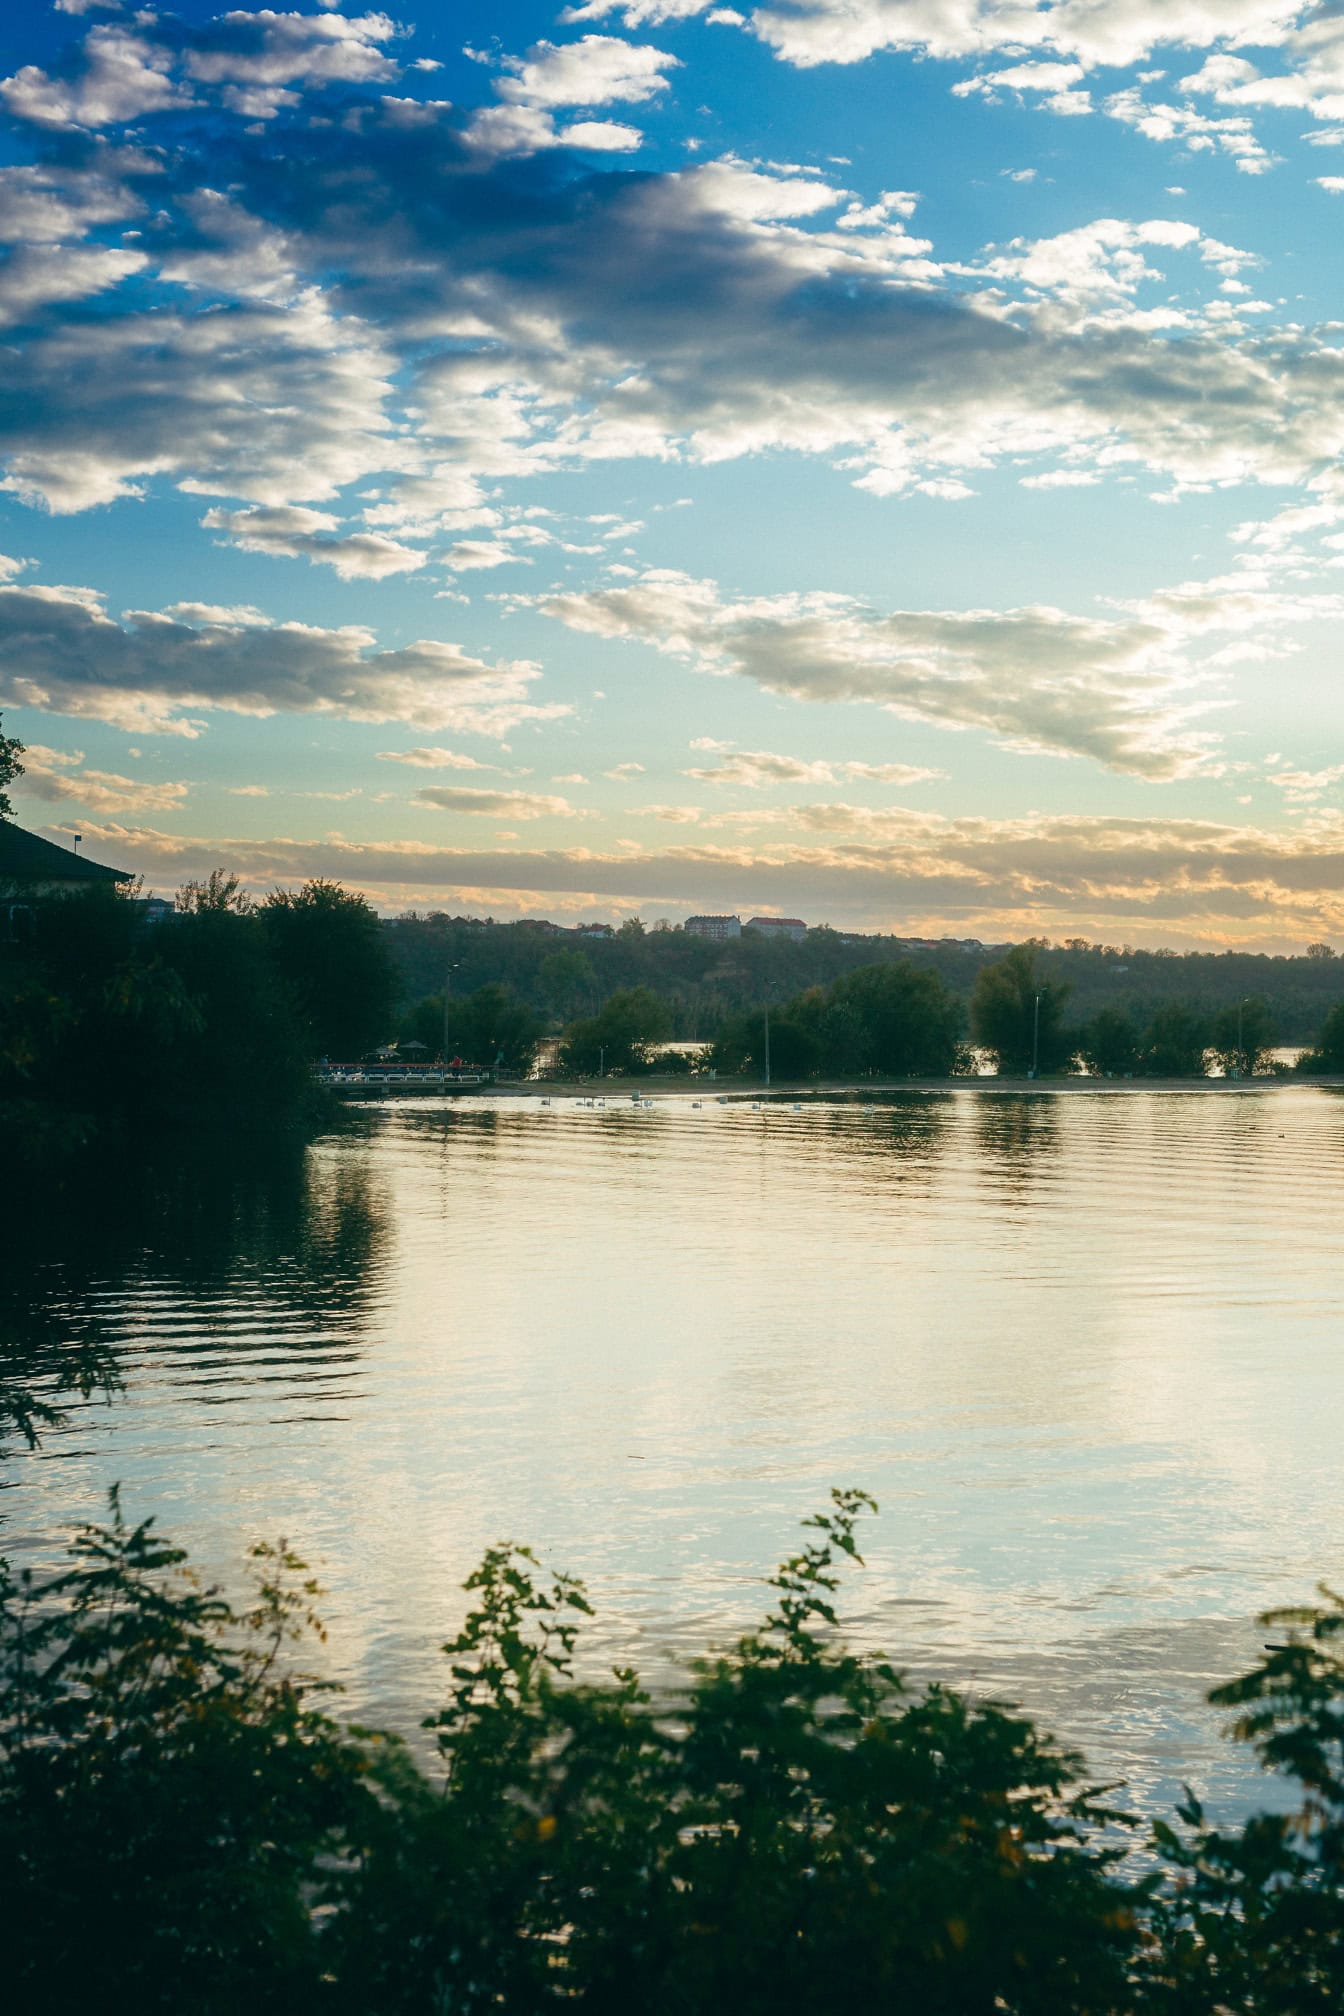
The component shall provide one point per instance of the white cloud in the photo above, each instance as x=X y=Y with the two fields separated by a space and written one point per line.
x=433 y=759
x=1144 y=880
x=596 y=70
x=495 y=804
x=754 y=768
x=316 y=535
x=121 y=76
x=155 y=672
x=1111 y=32
x=1128 y=689
x=58 y=776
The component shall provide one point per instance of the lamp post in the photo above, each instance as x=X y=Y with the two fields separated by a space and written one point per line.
x=601 y=1060
x=1241 y=1045
x=1036 y=1036
x=447 y=997
x=767 y=1046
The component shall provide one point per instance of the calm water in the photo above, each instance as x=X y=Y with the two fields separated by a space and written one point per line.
x=1086 y=1349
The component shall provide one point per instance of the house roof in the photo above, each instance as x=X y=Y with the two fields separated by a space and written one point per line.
x=795 y=922
x=27 y=857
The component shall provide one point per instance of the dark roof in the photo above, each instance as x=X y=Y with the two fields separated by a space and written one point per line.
x=27 y=857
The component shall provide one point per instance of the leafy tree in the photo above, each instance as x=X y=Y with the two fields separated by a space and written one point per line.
x=116 y=1034
x=1328 y=1052
x=568 y=982
x=329 y=946
x=221 y=892
x=1243 y=1037
x=796 y=1831
x=422 y=1022
x=1017 y=1014
x=1175 y=1042
x=1254 y=1922
x=167 y=1792
x=802 y=1834
x=893 y=1020
x=620 y=1037
x=11 y=749
x=492 y=1026
x=1109 y=1045
x=1321 y=951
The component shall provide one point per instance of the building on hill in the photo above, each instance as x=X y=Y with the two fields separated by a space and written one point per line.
x=713 y=927
x=777 y=927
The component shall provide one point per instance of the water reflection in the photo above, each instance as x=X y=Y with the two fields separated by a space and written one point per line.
x=1084 y=1349
x=218 y=1282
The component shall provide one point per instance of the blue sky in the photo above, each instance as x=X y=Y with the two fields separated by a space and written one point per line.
x=877 y=460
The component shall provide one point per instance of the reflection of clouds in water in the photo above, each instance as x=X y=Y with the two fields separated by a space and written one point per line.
x=1080 y=1346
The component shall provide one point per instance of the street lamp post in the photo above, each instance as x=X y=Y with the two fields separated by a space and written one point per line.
x=447 y=998
x=767 y=1046
x=601 y=1060
x=1036 y=1036
x=1242 y=1072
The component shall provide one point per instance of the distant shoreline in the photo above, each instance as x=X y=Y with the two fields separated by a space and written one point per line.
x=734 y=1091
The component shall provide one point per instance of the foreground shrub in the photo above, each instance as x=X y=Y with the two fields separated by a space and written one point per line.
x=184 y=1826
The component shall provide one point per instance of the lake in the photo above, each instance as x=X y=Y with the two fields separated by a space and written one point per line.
x=1084 y=1347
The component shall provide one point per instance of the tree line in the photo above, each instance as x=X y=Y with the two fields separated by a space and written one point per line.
x=116 y=1031
x=894 y=1019
x=704 y=983
x=899 y=1020
x=187 y=1824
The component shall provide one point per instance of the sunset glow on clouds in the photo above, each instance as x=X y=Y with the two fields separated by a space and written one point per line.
x=892 y=449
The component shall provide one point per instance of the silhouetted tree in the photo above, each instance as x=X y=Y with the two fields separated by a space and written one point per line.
x=1109 y=1045
x=1175 y=1042
x=11 y=749
x=493 y=1027
x=1243 y=1036
x=328 y=944
x=1017 y=1014
x=627 y=1027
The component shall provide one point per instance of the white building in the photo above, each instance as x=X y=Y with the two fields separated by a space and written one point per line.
x=778 y=927
x=713 y=927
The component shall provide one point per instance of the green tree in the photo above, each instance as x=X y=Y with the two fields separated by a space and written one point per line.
x=11 y=749
x=492 y=1026
x=568 y=983
x=1175 y=1042
x=328 y=944
x=893 y=1020
x=1328 y=1052
x=164 y=1780
x=1243 y=1036
x=422 y=1022
x=620 y=1037
x=220 y=893
x=1253 y=1924
x=1109 y=1045
x=1018 y=1015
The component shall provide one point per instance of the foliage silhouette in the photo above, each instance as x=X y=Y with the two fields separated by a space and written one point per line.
x=1018 y=1015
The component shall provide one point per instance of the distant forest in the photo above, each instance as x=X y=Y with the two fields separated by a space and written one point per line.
x=564 y=977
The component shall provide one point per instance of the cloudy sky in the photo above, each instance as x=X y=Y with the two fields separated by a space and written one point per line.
x=878 y=460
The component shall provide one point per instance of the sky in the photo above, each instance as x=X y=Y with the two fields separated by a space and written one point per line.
x=877 y=461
